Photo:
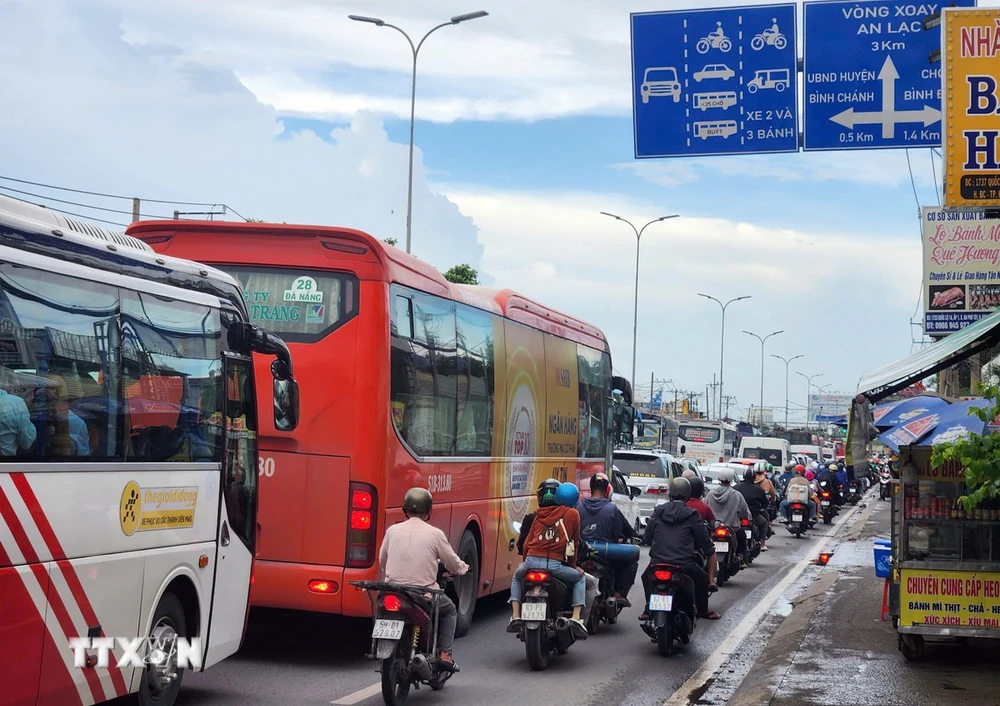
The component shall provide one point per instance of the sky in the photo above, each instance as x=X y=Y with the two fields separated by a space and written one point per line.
x=287 y=111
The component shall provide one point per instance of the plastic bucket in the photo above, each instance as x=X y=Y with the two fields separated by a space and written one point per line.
x=883 y=558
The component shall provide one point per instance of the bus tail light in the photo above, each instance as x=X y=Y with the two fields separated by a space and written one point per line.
x=361 y=525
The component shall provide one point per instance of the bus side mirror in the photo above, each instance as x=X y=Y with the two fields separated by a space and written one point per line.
x=286 y=404
x=634 y=492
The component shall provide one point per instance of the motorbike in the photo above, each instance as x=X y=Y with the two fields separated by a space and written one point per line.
x=752 y=534
x=672 y=615
x=726 y=552
x=404 y=638
x=798 y=518
x=714 y=41
x=770 y=39
x=545 y=614
x=854 y=492
x=605 y=608
x=884 y=485
x=827 y=505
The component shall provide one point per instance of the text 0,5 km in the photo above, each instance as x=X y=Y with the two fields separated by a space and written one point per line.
x=265 y=466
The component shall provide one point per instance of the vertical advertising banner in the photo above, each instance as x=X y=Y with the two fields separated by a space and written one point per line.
x=961 y=268
x=971 y=56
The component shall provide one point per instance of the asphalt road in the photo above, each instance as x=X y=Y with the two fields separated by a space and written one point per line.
x=312 y=659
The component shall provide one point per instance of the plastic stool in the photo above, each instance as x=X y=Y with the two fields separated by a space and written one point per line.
x=885 y=601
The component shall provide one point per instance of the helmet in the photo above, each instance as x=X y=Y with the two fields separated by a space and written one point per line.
x=800 y=469
x=833 y=467
x=814 y=465
x=697 y=487
x=567 y=494
x=768 y=468
x=810 y=475
x=547 y=492
x=417 y=501
x=599 y=485
x=748 y=474
x=680 y=489
x=689 y=474
x=759 y=467
x=726 y=476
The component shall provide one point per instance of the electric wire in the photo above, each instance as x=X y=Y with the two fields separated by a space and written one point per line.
x=98 y=193
x=76 y=203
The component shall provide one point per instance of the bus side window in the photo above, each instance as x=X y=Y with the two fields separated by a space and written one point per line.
x=240 y=470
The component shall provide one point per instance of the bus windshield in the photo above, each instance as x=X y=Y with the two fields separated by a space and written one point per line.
x=301 y=306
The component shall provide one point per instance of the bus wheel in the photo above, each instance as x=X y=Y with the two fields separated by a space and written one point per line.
x=467 y=587
x=161 y=681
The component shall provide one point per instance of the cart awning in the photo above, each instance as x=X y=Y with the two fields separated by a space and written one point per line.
x=881 y=382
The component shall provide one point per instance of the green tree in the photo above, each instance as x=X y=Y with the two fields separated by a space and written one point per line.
x=390 y=241
x=979 y=454
x=462 y=274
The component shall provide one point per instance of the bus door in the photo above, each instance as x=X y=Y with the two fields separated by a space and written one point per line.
x=237 y=513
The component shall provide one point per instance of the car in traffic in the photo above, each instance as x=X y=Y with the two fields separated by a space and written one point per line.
x=714 y=71
x=650 y=472
x=691 y=464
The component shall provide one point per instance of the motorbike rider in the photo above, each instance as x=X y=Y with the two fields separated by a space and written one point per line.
x=676 y=535
x=832 y=483
x=602 y=521
x=718 y=32
x=782 y=480
x=799 y=479
x=550 y=540
x=410 y=554
x=730 y=507
x=774 y=31
x=697 y=493
x=841 y=473
x=756 y=499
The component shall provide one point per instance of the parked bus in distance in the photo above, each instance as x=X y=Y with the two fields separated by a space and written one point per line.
x=128 y=489
x=407 y=380
x=707 y=441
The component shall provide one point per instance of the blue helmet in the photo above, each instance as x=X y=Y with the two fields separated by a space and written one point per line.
x=568 y=494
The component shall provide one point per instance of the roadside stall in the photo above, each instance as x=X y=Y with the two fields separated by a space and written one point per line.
x=945 y=560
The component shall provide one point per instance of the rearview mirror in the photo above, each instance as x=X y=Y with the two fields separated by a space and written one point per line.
x=634 y=492
x=620 y=383
x=286 y=404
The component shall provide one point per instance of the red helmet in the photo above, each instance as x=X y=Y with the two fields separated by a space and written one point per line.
x=800 y=469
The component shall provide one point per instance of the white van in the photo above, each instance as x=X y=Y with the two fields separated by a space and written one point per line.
x=815 y=453
x=777 y=452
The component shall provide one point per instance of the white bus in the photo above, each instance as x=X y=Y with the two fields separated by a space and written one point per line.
x=128 y=438
x=715 y=128
x=706 y=441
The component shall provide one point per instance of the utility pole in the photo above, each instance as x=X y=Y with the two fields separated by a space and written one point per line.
x=651 y=384
x=135 y=210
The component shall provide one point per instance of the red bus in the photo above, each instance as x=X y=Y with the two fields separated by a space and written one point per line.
x=405 y=380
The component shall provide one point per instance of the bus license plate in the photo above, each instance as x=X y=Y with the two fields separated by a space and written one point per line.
x=796 y=518
x=658 y=602
x=534 y=611
x=388 y=629
x=722 y=547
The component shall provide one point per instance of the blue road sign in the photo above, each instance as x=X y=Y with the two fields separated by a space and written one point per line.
x=869 y=83
x=718 y=81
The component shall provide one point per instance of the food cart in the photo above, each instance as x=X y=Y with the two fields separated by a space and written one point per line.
x=945 y=560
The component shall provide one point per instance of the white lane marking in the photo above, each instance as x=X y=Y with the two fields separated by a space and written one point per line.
x=723 y=651
x=359 y=696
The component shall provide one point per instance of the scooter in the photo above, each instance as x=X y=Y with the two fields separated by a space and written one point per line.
x=595 y=562
x=404 y=638
x=726 y=552
x=799 y=522
x=884 y=485
x=672 y=615
x=545 y=614
x=751 y=532
x=827 y=506
x=853 y=492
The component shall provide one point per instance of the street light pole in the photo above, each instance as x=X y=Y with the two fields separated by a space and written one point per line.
x=809 y=382
x=722 y=339
x=635 y=314
x=415 y=49
x=787 y=361
x=762 y=342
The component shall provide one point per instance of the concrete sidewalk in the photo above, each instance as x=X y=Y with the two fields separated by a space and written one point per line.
x=833 y=649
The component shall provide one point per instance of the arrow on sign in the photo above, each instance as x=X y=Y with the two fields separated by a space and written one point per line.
x=888 y=117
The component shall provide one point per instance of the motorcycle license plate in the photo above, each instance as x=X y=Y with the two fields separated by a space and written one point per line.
x=796 y=518
x=658 y=602
x=533 y=611
x=825 y=503
x=749 y=533
x=388 y=629
x=721 y=547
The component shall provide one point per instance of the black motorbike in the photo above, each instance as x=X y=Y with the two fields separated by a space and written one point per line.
x=798 y=518
x=672 y=615
x=605 y=608
x=884 y=485
x=545 y=612
x=854 y=492
x=752 y=533
x=827 y=505
x=404 y=638
x=726 y=552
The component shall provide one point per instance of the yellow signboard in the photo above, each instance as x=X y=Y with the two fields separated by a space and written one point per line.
x=142 y=509
x=949 y=599
x=971 y=55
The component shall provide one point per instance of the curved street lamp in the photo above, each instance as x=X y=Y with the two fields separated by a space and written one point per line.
x=762 y=342
x=722 y=340
x=787 y=361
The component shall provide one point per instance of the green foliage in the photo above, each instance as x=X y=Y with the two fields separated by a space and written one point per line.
x=462 y=274
x=390 y=241
x=979 y=455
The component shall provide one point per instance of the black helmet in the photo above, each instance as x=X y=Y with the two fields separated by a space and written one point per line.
x=417 y=501
x=547 y=492
x=748 y=475
x=680 y=489
x=697 y=487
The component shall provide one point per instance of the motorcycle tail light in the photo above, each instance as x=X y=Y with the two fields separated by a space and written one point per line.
x=744 y=523
x=824 y=494
x=392 y=603
x=661 y=575
x=536 y=576
x=721 y=532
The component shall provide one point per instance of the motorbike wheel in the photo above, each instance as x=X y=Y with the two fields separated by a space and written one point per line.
x=703 y=46
x=395 y=680
x=536 y=648
x=665 y=640
x=725 y=45
x=757 y=43
x=594 y=620
x=780 y=43
x=798 y=532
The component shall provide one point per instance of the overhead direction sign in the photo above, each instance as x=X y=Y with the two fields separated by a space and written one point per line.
x=716 y=81
x=869 y=83
x=971 y=58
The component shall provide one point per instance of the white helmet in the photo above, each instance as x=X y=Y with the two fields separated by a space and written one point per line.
x=833 y=467
x=760 y=467
x=814 y=465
